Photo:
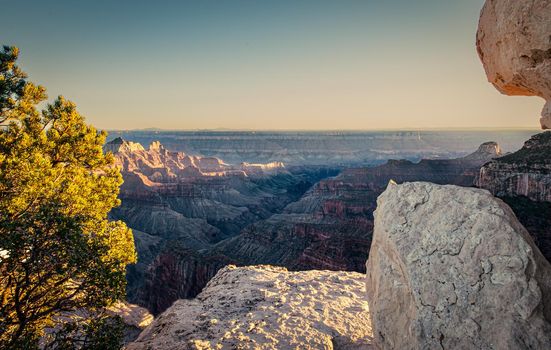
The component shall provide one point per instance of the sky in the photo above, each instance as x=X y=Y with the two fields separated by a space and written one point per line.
x=264 y=65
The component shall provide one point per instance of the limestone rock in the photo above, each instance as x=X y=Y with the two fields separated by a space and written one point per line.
x=267 y=307
x=452 y=268
x=514 y=44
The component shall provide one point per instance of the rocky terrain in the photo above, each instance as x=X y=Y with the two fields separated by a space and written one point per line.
x=192 y=216
x=135 y=319
x=267 y=308
x=439 y=277
x=450 y=267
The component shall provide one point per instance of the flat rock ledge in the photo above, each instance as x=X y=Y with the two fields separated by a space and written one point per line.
x=265 y=307
x=452 y=268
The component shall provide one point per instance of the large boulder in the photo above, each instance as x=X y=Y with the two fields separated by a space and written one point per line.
x=267 y=307
x=452 y=268
x=514 y=44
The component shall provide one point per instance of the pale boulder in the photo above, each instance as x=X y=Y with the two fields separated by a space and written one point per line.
x=452 y=268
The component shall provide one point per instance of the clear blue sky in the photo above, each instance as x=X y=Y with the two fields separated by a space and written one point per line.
x=256 y=64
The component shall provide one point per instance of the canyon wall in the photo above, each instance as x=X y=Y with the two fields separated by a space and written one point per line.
x=188 y=224
x=333 y=148
x=526 y=172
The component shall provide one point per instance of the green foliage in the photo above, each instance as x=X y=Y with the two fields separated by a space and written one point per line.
x=58 y=251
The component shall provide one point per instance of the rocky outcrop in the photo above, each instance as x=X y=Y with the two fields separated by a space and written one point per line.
x=267 y=307
x=157 y=165
x=460 y=171
x=514 y=45
x=526 y=172
x=119 y=145
x=452 y=267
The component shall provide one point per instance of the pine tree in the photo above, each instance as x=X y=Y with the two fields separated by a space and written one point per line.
x=58 y=251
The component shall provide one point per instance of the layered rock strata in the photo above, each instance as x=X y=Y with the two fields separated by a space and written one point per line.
x=452 y=267
x=526 y=172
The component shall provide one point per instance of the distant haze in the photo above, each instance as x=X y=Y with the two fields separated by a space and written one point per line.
x=286 y=64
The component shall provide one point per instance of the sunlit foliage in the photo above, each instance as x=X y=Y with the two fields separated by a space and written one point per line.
x=58 y=252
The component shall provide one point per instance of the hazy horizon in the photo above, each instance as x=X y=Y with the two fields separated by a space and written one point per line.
x=153 y=129
x=249 y=65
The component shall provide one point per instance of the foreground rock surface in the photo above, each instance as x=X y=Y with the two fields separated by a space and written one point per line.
x=267 y=307
x=452 y=268
x=513 y=43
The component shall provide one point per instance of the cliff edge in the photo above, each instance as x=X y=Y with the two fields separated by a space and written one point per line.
x=526 y=172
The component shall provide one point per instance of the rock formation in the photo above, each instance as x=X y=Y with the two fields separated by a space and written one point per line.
x=452 y=267
x=514 y=45
x=267 y=308
x=188 y=223
x=526 y=172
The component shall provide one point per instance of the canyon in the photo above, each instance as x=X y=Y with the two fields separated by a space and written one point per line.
x=525 y=173
x=193 y=215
